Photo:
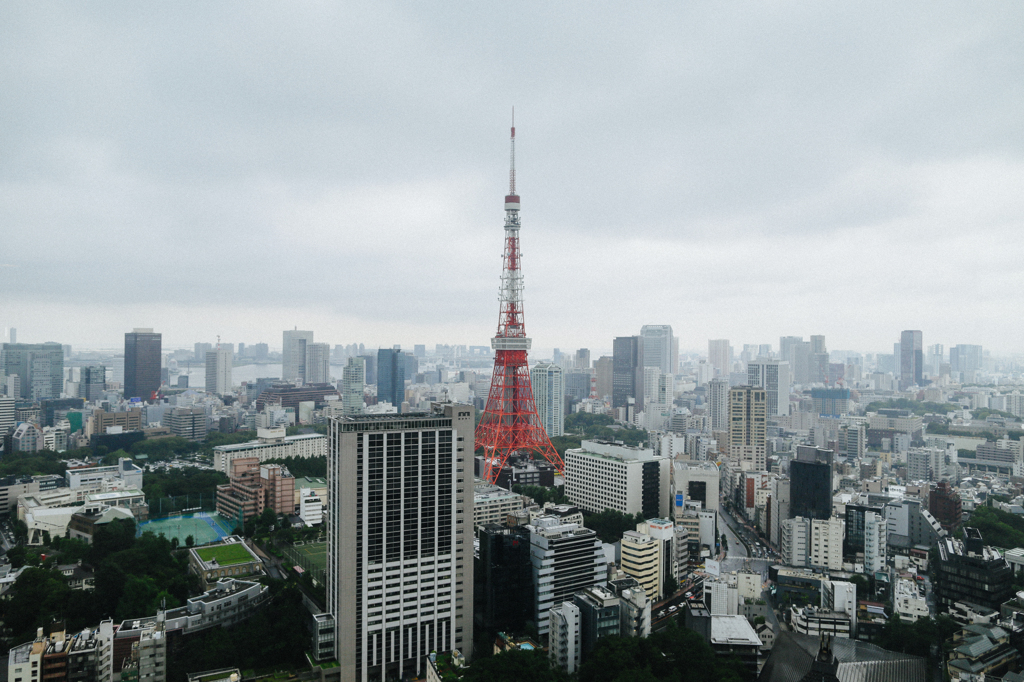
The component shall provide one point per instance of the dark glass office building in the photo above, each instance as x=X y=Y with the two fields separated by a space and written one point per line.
x=811 y=483
x=853 y=543
x=141 y=363
x=627 y=371
x=391 y=366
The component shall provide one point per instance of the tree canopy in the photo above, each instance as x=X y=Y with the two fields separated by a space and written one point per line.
x=672 y=655
x=998 y=528
x=610 y=524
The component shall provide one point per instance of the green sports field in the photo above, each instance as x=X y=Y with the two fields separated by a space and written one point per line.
x=226 y=555
x=204 y=527
x=312 y=556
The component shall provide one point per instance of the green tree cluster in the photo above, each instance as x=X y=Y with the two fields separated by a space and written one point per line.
x=610 y=524
x=540 y=494
x=311 y=467
x=514 y=665
x=672 y=655
x=133 y=576
x=41 y=463
x=599 y=427
x=177 y=482
x=998 y=528
x=273 y=638
x=917 y=638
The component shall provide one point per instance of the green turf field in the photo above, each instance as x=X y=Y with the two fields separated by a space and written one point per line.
x=312 y=556
x=226 y=555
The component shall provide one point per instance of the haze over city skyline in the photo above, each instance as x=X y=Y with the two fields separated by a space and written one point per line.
x=742 y=172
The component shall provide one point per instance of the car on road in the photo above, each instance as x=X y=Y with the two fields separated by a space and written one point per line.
x=673 y=609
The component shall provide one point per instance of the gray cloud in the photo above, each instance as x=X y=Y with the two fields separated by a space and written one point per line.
x=741 y=170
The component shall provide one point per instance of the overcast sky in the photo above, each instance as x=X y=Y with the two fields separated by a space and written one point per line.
x=739 y=171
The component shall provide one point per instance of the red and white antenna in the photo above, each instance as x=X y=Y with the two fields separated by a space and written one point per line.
x=510 y=422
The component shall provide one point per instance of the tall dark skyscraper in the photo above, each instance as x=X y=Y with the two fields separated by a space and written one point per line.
x=391 y=376
x=811 y=483
x=911 y=359
x=627 y=371
x=141 y=363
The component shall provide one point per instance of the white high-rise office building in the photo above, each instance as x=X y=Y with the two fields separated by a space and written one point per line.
x=549 y=395
x=318 y=363
x=657 y=345
x=774 y=377
x=720 y=356
x=218 y=371
x=565 y=559
x=601 y=475
x=400 y=540
x=293 y=354
x=876 y=537
x=748 y=427
x=564 y=645
x=353 y=381
x=717 y=396
x=659 y=391
x=6 y=415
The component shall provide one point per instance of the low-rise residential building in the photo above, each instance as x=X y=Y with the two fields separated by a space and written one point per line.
x=909 y=600
x=311 y=507
x=810 y=620
x=493 y=504
x=93 y=478
x=981 y=650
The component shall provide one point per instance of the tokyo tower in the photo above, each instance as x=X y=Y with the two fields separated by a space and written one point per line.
x=510 y=422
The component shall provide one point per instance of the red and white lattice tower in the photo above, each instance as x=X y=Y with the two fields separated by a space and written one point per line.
x=510 y=422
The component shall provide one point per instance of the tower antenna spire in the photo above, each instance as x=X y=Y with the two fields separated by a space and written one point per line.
x=512 y=159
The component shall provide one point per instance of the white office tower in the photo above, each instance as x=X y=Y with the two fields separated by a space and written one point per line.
x=602 y=475
x=795 y=533
x=565 y=558
x=564 y=642
x=642 y=560
x=720 y=356
x=659 y=390
x=293 y=354
x=780 y=507
x=318 y=363
x=876 y=536
x=6 y=415
x=657 y=347
x=695 y=481
x=774 y=377
x=841 y=597
x=400 y=540
x=549 y=395
x=825 y=546
x=748 y=442
x=218 y=371
x=717 y=396
x=722 y=597
x=353 y=381
x=674 y=547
